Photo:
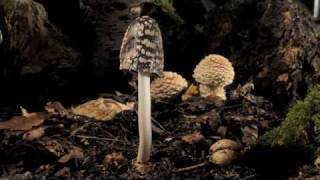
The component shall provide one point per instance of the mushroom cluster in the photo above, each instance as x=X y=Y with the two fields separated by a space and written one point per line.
x=168 y=86
x=213 y=73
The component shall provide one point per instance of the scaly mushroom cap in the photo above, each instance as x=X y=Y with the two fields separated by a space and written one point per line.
x=142 y=48
x=168 y=86
x=214 y=70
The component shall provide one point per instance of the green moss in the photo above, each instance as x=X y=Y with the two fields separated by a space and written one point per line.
x=167 y=7
x=301 y=126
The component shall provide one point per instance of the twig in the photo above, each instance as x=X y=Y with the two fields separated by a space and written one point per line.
x=190 y=167
x=74 y=132
x=98 y=138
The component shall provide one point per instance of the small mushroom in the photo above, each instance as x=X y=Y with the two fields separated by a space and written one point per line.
x=168 y=86
x=213 y=73
x=224 y=151
x=142 y=51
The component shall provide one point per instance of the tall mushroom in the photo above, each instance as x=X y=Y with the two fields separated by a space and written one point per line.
x=142 y=51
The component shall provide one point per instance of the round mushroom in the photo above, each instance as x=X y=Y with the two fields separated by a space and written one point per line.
x=142 y=51
x=168 y=86
x=213 y=73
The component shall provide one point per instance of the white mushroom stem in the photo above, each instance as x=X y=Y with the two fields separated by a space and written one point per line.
x=316 y=8
x=144 y=117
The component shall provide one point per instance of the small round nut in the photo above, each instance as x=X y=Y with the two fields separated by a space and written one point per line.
x=225 y=144
x=224 y=151
x=168 y=86
x=223 y=157
x=214 y=70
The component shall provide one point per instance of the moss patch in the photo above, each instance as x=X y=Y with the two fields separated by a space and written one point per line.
x=302 y=125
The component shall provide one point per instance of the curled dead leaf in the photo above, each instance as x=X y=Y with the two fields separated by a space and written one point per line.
x=25 y=122
x=100 y=109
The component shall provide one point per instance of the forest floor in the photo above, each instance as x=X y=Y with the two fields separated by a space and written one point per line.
x=64 y=145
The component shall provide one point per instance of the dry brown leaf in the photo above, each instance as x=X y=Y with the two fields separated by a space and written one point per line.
x=56 y=108
x=25 y=122
x=64 y=172
x=192 y=138
x=114 y=159
x=34 y=134
x=100 y=109
x=283 y=77
x=54 y=146
x=190 y=92
x=250 y=134
x=75 y=153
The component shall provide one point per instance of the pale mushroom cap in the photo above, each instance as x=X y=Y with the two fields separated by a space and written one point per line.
x=142 y=48
x=168 y=86
x=214 y=70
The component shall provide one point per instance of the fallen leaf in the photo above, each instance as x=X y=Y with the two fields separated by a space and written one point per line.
x=25 y=122
x=100 y=109
x=114 y=159
x=283 y=77
x=250 y=134
x=190 y=92
x=75 y=153
x=54 y=146
x=64 y=172
x=34 y=134
x=192 y=138
x=56 y=108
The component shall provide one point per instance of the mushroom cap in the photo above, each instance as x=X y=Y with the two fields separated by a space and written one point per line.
x=168 y=86
x=142 y=48
x=214 y=70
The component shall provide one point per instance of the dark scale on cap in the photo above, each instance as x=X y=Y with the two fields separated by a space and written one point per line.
x=142 y=48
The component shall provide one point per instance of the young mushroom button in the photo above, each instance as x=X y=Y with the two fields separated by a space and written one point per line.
x=142 y=51
x=213 y=73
